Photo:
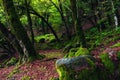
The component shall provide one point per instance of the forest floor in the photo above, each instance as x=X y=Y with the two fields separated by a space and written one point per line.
x=36 y=70
x=45 y=69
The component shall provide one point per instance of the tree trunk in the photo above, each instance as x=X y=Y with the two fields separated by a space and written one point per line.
x=19 y=30
x=29 y=22
x=60 y=10
x=43 y=27
x=77 y=23
x=12 y=39
x=115 y=16
x=118 y=16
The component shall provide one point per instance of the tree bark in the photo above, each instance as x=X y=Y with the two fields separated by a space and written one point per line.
x=18 y=29
x=29 y=22
x=12 y=39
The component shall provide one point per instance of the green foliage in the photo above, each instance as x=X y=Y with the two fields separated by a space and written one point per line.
x=82 y=51
x=23 y=19
x=109 y=65
x=95 y=38
x=71 y=53
x=74 y=52
x=44 y=7
x=2 y=15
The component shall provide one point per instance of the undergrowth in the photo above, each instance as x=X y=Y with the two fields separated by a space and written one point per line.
x=95 y=38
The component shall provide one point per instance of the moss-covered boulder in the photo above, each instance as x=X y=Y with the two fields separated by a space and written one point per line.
x=77 y=68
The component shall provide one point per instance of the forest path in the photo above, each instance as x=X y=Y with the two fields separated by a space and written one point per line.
x=36 y=70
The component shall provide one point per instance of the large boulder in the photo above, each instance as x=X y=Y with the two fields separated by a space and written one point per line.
x=76 y=68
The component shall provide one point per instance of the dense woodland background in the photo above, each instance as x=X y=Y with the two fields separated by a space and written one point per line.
x=30 y=27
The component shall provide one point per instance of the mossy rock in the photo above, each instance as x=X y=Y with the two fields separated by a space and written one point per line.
x=75 y=68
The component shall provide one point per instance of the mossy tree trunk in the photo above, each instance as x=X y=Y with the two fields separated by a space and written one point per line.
x=29 y=21
x=12 y=39
x=19 y=30
x=77 y=23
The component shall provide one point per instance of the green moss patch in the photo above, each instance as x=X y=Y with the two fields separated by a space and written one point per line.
x=45 y=38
